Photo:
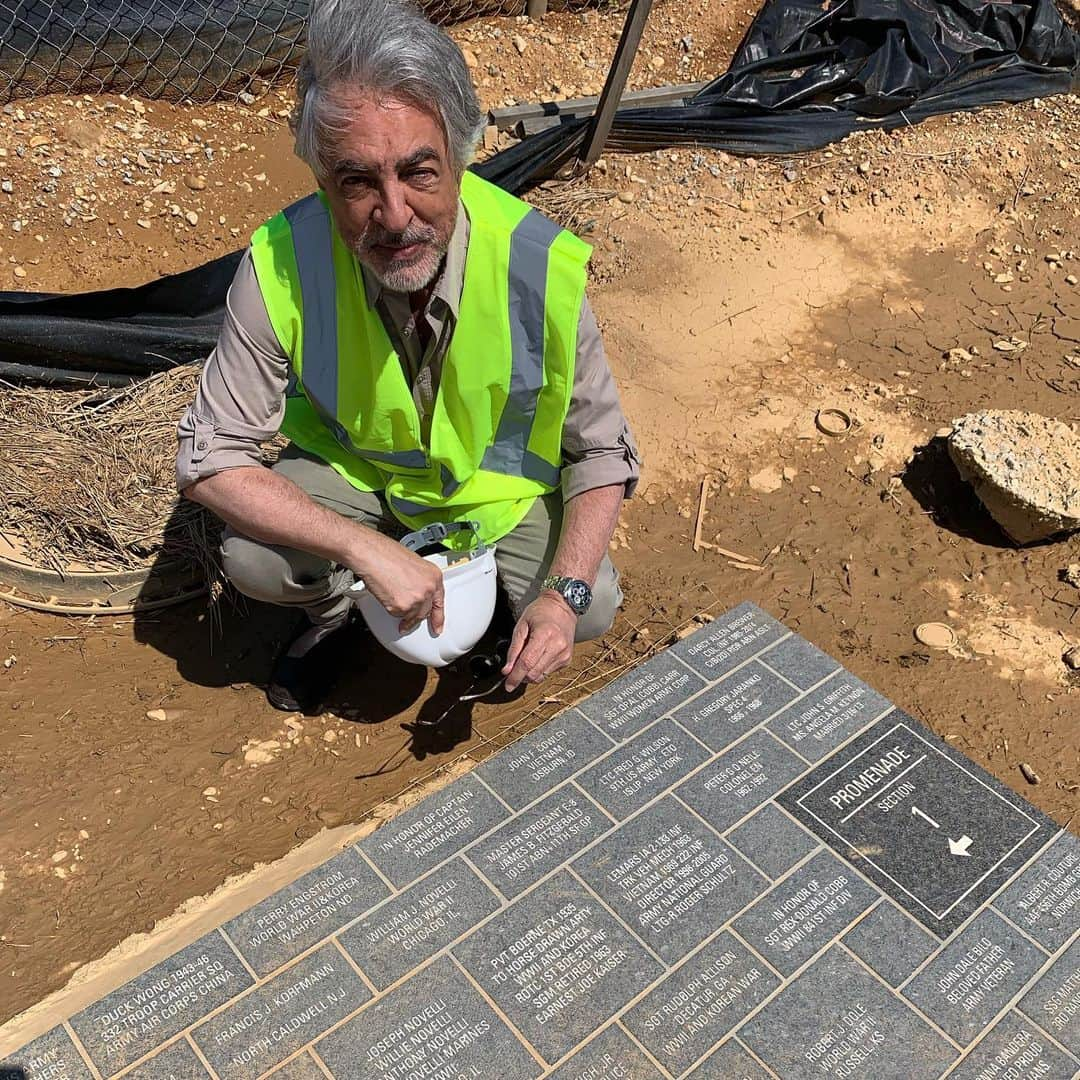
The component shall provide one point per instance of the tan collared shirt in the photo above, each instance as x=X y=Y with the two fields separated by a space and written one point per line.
x=240 y=402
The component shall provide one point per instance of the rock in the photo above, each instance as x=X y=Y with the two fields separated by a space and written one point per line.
x=471 y=59
x=1071 y=279
x=7 y=186
x=195 y=182
x=1072 y=658
x=330 y=818
x=959 y=355
x=210 y=791
x=329 y=736
x=790 y=473
x=59 y=856
x=191 y=218
x=520 y=44
x=255 y=756
x=766 y=480
x=1030 y=775
x=143 y=223
x=1025 y=469
x=627 y=196
x=39 y=140
x=864 y=168
x=790 y=175
x=19 y=272
x=83 y=135
x=656 y=63
x=1071 y=575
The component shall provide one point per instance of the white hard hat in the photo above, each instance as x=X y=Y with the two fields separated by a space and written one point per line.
x=469 y=601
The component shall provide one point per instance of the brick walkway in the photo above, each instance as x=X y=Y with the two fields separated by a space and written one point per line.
x=736 y=861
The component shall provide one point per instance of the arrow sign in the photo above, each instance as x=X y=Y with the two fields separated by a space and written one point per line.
x=960 y=847
x=916 y=812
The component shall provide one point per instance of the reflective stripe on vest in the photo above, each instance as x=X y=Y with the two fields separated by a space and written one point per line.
x=313 y=241
x=530 y=244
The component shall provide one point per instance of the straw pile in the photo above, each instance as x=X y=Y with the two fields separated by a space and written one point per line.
x=87 y=477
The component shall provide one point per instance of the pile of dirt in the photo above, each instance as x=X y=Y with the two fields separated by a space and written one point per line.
x=738 y=297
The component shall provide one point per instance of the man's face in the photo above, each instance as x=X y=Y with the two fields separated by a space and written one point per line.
x=392 y=189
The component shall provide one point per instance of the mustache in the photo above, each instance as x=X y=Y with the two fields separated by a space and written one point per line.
x=414 y=233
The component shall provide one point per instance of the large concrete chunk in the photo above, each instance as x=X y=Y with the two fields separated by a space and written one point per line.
x=1025 y=468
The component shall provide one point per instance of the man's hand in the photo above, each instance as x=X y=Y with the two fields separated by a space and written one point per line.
x=407 y=585
x=543 y=641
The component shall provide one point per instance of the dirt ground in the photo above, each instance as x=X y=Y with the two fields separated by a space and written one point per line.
x=904 y=278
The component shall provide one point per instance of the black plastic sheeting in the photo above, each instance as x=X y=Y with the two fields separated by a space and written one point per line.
x=804 y=76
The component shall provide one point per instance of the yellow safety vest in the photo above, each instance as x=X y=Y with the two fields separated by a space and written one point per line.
x=495 y=436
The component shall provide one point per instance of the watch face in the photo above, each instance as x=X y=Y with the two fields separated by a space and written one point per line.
x=579 y=594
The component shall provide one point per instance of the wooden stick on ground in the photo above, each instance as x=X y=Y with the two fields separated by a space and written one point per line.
x=702 y=499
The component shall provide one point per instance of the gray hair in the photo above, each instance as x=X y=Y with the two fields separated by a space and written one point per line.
x=388 y=47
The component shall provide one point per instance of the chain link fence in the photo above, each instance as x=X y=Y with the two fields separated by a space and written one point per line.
x=190 y=50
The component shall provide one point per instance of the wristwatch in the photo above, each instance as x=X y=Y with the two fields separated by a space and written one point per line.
x=575 y=592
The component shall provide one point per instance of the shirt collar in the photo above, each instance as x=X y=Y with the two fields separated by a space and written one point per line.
x=451 y=278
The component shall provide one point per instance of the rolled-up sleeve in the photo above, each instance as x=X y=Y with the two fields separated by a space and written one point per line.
x=241 y=397
x=598 y=447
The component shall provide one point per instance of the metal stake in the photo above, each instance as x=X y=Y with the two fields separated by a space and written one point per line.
x=625 y=51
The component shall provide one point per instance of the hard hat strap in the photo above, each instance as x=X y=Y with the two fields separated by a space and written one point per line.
x=438 y=532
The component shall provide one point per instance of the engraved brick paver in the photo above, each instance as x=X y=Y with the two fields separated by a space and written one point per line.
x=735 y=862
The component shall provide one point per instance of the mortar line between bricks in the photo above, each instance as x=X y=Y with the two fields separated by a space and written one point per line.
x=776 y=738
x=394 y=890
x=211 y=1071
x=663 y=1069
x=81 y=1050
x=986 y=905
x=319 y=1061
x=499 y=895
x=1023 y=933
x=239 y=956
x=1050 y=1038
x=618 y=918
x=494 y=1006
x=476 y=773
x=354 y=965
x=592 y=802
x=911 y=1006
x=736 y=1039
x=745 y=943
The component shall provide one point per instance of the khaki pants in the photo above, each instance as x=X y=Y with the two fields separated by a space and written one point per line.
x=282 y=575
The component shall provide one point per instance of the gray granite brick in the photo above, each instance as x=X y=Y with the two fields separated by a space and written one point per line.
x=806 y=911
x=1014 y=1048
x=404 y=931
x=642 y=695
x=612 y=1055
x=300 y=1068
x=826 y=717
x=433 y=1025
x=739 y=702
x=799 y=662
x=536 y=841
x=772 y=841
x=929 y=827
x=532 y=766
x=557 y=964
x=729 y=1062
x=697 y=1005
x=1045 y=899
x=974 y=976
x=175 y=1062
x=435 y=830
x=275 y=1020
x=837 y=1020
x=890 y=942
x=281 y=927
x=729 y=640
x=669 y=878
x=1054 y=1001
x=52 y=1056
x=740 y=780
x=643 y=768
x=153 y=1007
